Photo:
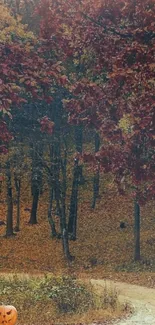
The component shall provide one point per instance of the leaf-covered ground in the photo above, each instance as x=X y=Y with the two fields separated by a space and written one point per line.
x=102 y=248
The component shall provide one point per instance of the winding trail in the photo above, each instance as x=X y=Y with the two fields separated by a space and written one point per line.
x=141 y=298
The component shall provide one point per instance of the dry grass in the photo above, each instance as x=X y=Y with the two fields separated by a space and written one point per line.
x=33 y=297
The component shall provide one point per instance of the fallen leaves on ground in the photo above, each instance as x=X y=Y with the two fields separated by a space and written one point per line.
x=102 y=248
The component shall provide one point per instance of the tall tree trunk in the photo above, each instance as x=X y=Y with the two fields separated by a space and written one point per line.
x=36 y=181
x=137 y=151
x=96 y=180
x=78 y=132
x=18 y=190
x=9 y=222
x=72 y=223
x=65 y=241
x=50 y=219
x=137 y=230
x=59 y=191
x=78 y=137
x=63 y=226
x=33 y=217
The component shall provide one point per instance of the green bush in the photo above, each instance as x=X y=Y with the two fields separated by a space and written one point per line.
x=55 y=295
x=71 y=297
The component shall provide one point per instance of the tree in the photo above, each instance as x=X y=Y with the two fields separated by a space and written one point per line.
x=72 y=222
x=11 y=28
x=28 y=70
x=117 y=85
x=96 y=180
x=102 y=54
x=9 y=219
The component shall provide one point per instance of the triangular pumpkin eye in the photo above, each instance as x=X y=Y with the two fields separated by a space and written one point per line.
x=9 y=312
x=8 y=315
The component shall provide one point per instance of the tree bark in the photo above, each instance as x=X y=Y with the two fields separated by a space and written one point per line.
x=59 y=193
x=72 y=223
x=50 y=219
x=137 y=230
x=33 y=217
x=79 y=138
x=36 y=182
x=78 y=131
x=96 y=180
x=63 y=226
x=18 y=190
x=59 y=186
x=9 y=221
x=65 y=242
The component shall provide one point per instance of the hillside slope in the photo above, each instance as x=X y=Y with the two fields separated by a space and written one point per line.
x=102 y=248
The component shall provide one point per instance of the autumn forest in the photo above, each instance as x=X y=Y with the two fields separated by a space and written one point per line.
x=77 y=138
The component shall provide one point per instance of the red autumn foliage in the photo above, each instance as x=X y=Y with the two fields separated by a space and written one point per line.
x=113 y=43
x=26 y=75
x=47 y=126
x=121 y=38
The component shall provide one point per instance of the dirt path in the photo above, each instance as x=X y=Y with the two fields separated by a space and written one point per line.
x=142 y=299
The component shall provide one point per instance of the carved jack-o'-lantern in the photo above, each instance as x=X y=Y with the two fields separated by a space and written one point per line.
x=8 y=315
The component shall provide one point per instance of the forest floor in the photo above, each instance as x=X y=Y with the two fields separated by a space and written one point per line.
x=102 y=249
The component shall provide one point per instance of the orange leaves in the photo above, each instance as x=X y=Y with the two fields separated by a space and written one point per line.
x=121 y=72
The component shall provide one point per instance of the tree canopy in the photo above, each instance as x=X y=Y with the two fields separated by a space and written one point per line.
x=89 y=64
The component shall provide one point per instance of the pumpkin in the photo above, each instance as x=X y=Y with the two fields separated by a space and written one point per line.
x=8 y=315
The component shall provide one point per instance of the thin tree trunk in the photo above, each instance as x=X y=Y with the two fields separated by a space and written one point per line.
x=64 y=229
x=79 y=147
x=72 y=223
x=50 y=219
x=137 y=151
x=64 y=181
x=64 y=232
x=33 y=217
x=59 y=194
x=9 y=222
x=137 y=230
x=65 y=242
x=36 y=181
x=18 y=190
x=59 y=191
x=96 y=180
x=78 y=138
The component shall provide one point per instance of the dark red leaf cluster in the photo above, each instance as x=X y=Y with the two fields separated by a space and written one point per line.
x=47 y=125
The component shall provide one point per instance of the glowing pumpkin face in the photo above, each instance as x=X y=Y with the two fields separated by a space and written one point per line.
x=8 y=315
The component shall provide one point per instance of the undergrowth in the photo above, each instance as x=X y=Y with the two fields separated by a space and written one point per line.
x=52 y=299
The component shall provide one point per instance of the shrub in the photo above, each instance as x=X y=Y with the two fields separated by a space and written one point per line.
x=47 y=299
x=71 y=296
